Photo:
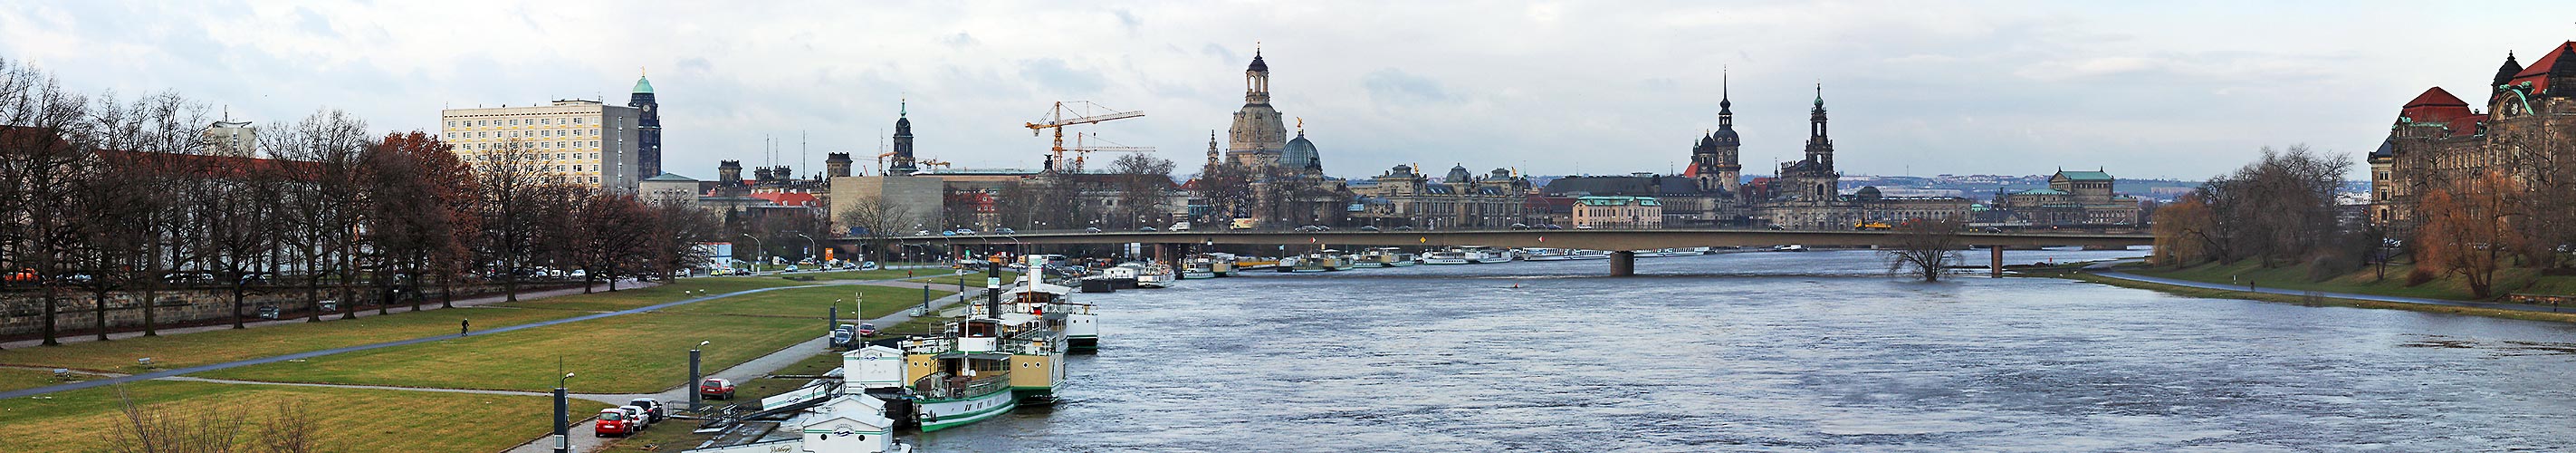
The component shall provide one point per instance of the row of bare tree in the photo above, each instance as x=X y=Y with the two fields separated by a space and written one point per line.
x=106 y=194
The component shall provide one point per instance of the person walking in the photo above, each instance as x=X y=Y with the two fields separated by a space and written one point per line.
x=463 y=326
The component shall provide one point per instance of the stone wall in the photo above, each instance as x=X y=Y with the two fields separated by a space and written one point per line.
x=22 y=313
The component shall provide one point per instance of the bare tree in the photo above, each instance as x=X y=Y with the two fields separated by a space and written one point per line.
x=1925 y=248
x=512 y=189
x=2468 y=229
x=876 y=217
x=45 y=138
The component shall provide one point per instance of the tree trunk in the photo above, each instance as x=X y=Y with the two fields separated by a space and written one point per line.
x=100 y=308
x=51 y=303
x=238 y=300
x=150 y=302
x=447 y=290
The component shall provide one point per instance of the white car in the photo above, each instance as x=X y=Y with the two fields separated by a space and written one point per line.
x=642 y=419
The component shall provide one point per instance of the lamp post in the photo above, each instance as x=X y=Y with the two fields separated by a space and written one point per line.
x=757 y=250
x=563 y=415
x=693 y=376
x=811 y=247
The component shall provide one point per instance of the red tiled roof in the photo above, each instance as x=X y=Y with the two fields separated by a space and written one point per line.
x=2439 y=106
x=786 y=198
x=2538 y=72
x=1690 y=171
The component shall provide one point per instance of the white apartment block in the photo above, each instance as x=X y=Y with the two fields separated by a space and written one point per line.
x=583 y=142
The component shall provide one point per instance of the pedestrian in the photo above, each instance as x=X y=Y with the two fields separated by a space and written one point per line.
x=463 y=326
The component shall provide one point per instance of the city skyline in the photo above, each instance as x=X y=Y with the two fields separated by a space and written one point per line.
x=2169 y=91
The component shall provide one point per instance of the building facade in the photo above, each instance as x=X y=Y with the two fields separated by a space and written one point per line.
x=1259 y=136
x=2073 y=199
x=1404 y=196
x=2530 y=117
x=577 y=142
x=1616 y=212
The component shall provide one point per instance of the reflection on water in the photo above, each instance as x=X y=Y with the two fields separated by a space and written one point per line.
x=1780 y=351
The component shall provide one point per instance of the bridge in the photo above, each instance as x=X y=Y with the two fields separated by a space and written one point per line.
x=1172 y=244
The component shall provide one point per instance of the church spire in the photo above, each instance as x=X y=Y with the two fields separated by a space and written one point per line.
x=1725 y=102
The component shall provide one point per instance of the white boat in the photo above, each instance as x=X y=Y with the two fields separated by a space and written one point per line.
x=1386 y=257
x=1589 y=255
x=1790 y=248
x=1156 y=275
x=1208 y=265
x=1547 y=254
x=1450 y=256
x=1486 y=255
x=1325 y=260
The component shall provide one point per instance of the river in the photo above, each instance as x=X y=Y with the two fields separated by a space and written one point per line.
x=1780 y=351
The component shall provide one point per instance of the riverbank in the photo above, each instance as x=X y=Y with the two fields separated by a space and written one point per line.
x=2315 y=298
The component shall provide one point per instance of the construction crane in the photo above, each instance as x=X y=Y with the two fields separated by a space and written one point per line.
x=1081 y=151
x=1083 y=112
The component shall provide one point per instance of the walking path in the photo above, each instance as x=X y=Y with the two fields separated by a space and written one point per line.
x=460 y=303
x=2103 y=269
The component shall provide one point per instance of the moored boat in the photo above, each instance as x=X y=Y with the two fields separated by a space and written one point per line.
x=1208 y=265
x=1156 y=275
x=1445 y=257
x=1486 y=255
x=1325 y=260
x=1386 y=257
x=1548 y=254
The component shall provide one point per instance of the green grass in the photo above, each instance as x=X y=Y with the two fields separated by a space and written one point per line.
x=16 y=378
x=184 y=350
x=633 y=298
x=353 y=419
x=637 y=353
x=811 y=302
x=2365 y=281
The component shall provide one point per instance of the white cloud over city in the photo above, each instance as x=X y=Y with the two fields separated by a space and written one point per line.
x=2147 y=89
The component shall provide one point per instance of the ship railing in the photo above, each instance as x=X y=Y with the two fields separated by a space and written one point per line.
x=948 y=386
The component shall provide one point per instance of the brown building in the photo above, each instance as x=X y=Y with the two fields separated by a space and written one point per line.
x=2530 y=116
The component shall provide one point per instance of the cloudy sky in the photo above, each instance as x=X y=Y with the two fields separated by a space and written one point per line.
x=2145 y=89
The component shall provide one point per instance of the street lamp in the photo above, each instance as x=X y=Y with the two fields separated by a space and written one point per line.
x=693 y=376
x=810 y=247
x=757 y=250
x=563 y=415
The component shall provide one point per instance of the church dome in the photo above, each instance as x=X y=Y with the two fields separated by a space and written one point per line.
x=1301 y=154
x=1725 y=137
x=1459 y=174
x=1257 y=64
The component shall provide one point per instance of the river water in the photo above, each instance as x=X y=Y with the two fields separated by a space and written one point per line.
x=1780 y=351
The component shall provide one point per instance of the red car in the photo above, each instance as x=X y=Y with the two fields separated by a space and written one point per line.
x=716 y=389
x=613 y=422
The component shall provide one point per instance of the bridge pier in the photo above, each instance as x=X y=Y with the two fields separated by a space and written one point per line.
x=1623 y=263
x=1995 y=269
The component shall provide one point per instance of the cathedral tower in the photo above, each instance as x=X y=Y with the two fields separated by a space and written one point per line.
x=1820 y=147
x=648 y=128
x=903 y=160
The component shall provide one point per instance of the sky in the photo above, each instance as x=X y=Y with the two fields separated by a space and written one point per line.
x=2142 y=89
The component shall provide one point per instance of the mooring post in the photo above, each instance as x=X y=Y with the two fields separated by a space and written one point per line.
x=1995 y=269
x=1623 y=263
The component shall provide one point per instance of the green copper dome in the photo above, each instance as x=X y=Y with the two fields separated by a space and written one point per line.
x=643 y=85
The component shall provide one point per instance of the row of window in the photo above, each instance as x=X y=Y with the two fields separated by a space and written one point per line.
x=518 y=122
x=518 y=134
x=556 y=156
x=541 y=145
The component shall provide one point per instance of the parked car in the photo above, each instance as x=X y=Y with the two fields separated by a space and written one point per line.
x=268 y=312
x=1180 y=226
x=1520 y=226
x=715 y=389
x=642 y=420
x=613 y=422
x=1370 y=228
x=1091 y=230
x=1005 y=231
x=1146 y=229
x=844 y=335
x=921 y=233
x=1552 y=226
x=947 y=233
x=867 y=330
x=654 y=410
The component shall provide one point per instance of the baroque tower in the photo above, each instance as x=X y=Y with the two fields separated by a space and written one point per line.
x=903 y=161
x=1258 y=134
x=1820 y=147
x=1714 y=162
x=648 y=128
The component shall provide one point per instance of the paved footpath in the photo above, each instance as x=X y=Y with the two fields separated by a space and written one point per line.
x=398 y=309
x=2104 y=270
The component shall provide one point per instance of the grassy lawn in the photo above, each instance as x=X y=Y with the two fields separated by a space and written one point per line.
x=916 y=326
x=632 y=298
x=183 y=350
x=14 y=378
x=2366 y=281
x=354 y=419
x=638 y=353
x=810 y=302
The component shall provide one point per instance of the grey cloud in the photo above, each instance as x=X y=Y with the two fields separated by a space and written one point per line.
x=1394 y=86
x=1055 y=74
x=1128 y=20
x=961 y=39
